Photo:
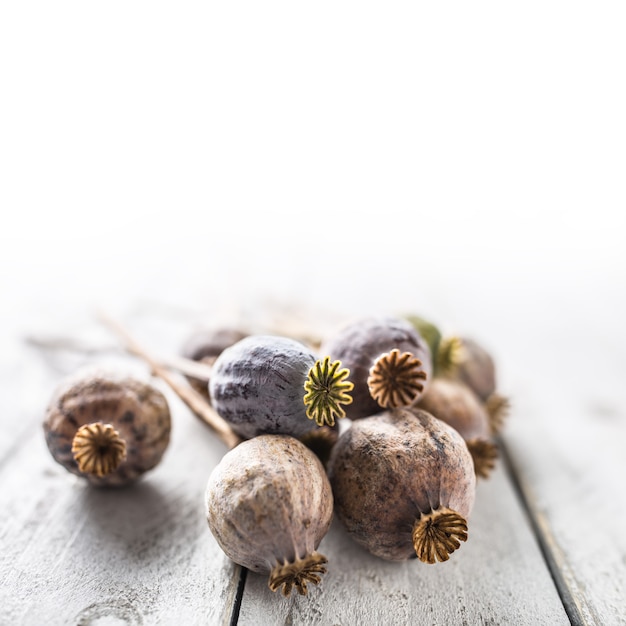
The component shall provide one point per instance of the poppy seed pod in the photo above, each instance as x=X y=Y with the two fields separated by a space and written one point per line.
x=457 y=405
x=106 y=428
x=470 y=363
x=404 y=485
x=272 y=384
x=431 y=334
x=205 y=346
x=268 y=505
x=389 y=363
x=464 y=359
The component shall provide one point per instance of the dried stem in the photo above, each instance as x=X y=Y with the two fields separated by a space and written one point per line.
x=297 y=573
x=197 y=369
x=436 y=535
x=98 y=449
x=70 y=344
x=194 y=400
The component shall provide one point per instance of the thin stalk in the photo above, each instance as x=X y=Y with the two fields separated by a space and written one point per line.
x=194 y=400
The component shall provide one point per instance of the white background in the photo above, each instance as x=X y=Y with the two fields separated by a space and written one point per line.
x=461 y=160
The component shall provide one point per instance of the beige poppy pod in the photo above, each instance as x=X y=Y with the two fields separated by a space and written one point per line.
x=466 y=360
x=269 y=504
x=456 y=404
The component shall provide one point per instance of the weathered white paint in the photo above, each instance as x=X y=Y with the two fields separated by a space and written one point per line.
x=567 y=448
x=143 y=554
x=497 y=577
x=74 y=555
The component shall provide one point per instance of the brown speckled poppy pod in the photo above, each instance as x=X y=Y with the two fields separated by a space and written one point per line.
x=457 y=405
x=404 y=485
x=475 y=368
x=107 y=429
x=375 y=351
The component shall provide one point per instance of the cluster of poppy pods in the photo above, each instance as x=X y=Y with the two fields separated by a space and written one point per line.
x=385 y=424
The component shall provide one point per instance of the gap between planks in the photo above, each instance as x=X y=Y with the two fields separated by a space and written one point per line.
x=552 y=554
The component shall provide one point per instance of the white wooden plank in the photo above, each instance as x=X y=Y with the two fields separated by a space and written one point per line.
x=566 y=464
x=24 y=386
x=567 y=445
x=497 y=577
x=72 y=554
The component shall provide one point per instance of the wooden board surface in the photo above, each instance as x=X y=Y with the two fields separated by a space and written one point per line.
x=498 y=577
x=567 y=451
x=461 y=162
x=136 y=555
x=144 y=555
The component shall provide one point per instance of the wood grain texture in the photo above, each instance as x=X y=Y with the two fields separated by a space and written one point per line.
x=567 y=447
x=497 y=577
x=144 y=555
x=74 y=554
